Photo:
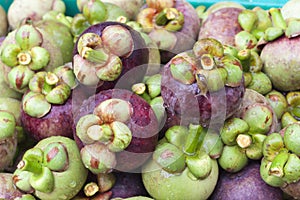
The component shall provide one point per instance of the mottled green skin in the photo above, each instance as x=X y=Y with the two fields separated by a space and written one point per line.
x=69 y=182
x=61 y=35
x=162 y=185
x=281 y=63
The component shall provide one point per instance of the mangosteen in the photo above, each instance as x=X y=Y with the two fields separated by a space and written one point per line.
x=221 y=24
x=204 y=85
x=244 y=133
x=62 y=38
x=172 y=25
x=245 y=184
x=115 y=130
x=22 y=57
x=282 y=68
x=48 y=106
x=34 y=10
x=105 y=52
x=93 y=12
x=183 y=165
x=281 y=162
x=52 y=169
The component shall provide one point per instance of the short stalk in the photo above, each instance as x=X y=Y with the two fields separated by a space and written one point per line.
x=24 y=58
x=51 y=78
x=139 y=88
x=98 y=56
x=244 y=140
x=207 y=62
x=90 y=189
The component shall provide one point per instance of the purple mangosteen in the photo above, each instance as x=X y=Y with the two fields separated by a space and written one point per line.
x=106 y=51
x=116 y=130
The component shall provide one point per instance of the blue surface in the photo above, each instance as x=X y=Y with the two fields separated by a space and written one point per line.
x=266 y=4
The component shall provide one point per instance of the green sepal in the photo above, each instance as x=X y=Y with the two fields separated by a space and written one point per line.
x=169 y=157
x=9 y=54
x=292 y=169
x=28 y=36
x=44 y=181
x=272 y=145
x=200 y=165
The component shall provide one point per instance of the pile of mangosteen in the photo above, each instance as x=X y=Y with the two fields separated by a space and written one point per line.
x=150 y=99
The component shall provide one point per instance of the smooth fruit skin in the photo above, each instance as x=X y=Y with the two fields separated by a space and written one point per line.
x=162 y=185
x=281 y=63
x=246 y=184
x=58 y=121
x=222 y=25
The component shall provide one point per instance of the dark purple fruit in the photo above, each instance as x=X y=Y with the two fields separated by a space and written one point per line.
x=58 y=121
x=103 y=62
x=245 y=184
x=142 y=123
x=172 y=25
x=202 y=86
x=128 y=185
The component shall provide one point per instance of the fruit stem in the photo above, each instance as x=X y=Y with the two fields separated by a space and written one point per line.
x=32 y=161
x=95 y=55
x=171 y=18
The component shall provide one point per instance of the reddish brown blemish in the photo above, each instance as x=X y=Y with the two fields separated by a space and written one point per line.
x=167 y=154
x=52 y=153
x=19 y=80
x=267 y=119
x=94 y=163
x=273 y=97
x=15 y=179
